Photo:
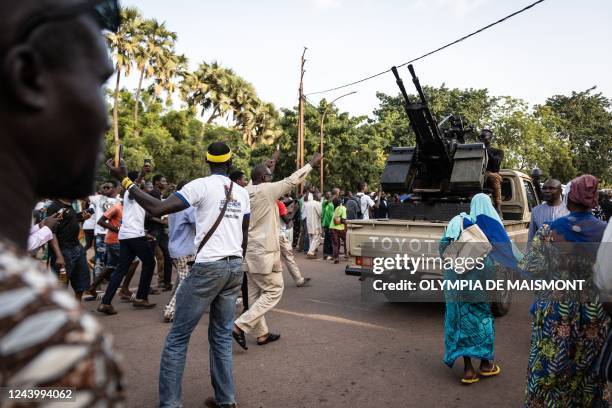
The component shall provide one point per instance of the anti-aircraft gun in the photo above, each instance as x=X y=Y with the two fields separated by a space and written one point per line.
x=442 y=172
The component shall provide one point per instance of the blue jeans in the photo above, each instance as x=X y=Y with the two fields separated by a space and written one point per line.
x=128 y=250
x=77 y=269
x=112 y=255
x=215 y=284
x=100 y=257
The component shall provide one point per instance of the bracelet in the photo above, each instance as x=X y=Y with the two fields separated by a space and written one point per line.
x=127 y=183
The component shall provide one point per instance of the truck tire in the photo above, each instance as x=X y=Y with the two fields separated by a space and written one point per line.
x=501 y=307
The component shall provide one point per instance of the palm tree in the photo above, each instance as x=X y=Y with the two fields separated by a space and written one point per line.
x=123 y=45
x=169 y=68
x=155 y=49
x=221 y=92
x=209 y=88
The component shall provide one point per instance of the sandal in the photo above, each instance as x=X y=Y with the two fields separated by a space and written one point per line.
x=240 y=339
x=269 y=339
x=496 y=370
x=468 y=381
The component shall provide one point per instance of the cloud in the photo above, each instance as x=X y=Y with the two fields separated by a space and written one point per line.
x=327 y=4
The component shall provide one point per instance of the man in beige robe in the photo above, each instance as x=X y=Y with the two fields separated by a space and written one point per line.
x=313 y=210
x=262 y=261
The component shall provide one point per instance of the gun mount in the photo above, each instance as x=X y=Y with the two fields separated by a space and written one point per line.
x=441 y=170
x=441 y=164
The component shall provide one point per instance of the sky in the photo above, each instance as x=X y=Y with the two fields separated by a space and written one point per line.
x=556 y=47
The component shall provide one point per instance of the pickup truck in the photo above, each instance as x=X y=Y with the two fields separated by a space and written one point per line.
x=418 y=238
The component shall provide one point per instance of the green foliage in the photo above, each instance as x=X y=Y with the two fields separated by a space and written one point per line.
x=585 y=122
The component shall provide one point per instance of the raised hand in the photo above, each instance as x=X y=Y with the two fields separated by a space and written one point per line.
x=117 y=172
x=316 y=160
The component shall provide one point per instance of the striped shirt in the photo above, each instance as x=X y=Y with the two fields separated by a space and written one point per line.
x=46 y=340
x=545 y=214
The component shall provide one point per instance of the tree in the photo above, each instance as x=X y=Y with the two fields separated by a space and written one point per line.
x=221 y=94
x=585 y=122
x=155 y=47
x=124 y=46
x=354 y=150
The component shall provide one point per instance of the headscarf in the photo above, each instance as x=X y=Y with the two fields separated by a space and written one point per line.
x=484 y=215
x=581 y=226
x=584 y=191
x=481 y=205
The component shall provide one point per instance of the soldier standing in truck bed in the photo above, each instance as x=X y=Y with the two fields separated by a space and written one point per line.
x=495 y=156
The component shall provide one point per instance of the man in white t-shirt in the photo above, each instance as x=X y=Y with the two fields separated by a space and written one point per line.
x=215 y=278
x=364 y=200
x=102 y=202
x=89 y=225
x=132 y=243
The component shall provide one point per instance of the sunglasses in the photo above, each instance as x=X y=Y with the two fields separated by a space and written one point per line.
x=106 y=13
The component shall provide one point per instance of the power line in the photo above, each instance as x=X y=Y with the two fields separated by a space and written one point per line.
x=434 y=51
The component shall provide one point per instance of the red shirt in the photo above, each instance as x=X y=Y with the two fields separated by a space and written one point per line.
x=282 y=209
x=114 y=216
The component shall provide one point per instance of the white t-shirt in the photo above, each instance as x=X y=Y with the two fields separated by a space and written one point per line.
x=366 y=204
x=207 y=195
x=132 y=223
x=101 y=204
x=90 y=223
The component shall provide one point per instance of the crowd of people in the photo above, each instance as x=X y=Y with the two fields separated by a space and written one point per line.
x=224 y=235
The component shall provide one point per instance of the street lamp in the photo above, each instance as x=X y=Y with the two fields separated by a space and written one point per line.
x=321 y=143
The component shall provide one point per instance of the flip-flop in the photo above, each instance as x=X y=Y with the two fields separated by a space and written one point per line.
x=468 y=381
x=240 y=339
x=495 y=371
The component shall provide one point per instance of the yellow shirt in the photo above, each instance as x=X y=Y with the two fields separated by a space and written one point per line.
x=339 y=212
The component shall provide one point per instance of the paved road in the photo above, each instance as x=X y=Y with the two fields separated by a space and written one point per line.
x=335 y=351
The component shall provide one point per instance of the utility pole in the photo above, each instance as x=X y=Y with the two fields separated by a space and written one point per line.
x=300 y=149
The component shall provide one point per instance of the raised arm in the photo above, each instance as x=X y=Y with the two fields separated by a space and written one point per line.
x=150 y=204
x=284 y=186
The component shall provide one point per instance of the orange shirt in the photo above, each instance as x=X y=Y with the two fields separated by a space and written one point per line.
x=114 y=216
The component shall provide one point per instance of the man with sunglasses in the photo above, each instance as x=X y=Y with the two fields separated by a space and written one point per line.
x=53 y=116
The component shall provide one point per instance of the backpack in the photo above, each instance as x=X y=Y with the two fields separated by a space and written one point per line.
x=353 y=209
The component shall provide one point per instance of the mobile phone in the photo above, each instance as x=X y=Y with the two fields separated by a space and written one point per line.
x=91 y=211
x=118 y=155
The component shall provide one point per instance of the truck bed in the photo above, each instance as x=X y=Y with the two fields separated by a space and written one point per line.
x=388 y=237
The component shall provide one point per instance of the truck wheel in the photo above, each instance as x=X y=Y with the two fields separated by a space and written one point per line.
x=502 y=306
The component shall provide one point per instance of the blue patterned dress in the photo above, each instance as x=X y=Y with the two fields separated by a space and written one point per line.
x=567 y=334
x=469 y=329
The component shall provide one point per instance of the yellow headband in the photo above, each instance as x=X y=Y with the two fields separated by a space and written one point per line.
x=218 y=159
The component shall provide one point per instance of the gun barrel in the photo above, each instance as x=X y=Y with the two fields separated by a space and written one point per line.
x=417 y=84
x=400 y=84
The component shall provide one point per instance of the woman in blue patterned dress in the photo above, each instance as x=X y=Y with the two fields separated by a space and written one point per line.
x=468 y=322
x=569 y=329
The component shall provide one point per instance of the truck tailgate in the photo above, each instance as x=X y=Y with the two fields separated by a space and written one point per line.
x=386 y=238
